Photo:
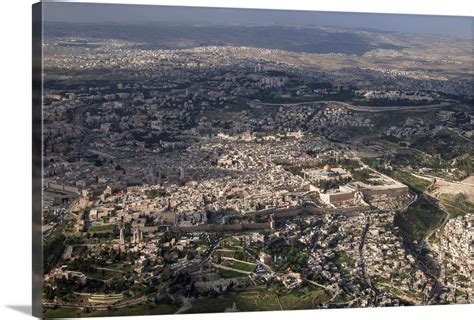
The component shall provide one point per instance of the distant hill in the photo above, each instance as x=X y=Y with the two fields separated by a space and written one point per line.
x=168 y=36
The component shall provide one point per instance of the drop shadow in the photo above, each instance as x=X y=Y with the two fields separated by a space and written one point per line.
x=22 y=309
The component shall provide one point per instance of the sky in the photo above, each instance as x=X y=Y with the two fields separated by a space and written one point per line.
x=121 y=13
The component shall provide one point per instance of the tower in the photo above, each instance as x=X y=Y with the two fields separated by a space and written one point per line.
x=272 y=222
x=122 y=240
x=182 y=174
x=137 y=236
x=151 y=176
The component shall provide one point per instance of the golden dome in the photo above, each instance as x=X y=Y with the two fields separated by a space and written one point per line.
x=327 y=168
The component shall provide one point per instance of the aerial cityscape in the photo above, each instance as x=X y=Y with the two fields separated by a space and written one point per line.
x=193 y=167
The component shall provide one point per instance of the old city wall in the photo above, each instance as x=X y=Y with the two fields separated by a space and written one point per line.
x=391 y=192
x=61 y=187
x=223 y=227
x=277 y=213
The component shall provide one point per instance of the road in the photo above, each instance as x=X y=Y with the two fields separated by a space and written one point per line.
x=97 y=307
x=363 y=270
x=210 y=250
x=359 y=108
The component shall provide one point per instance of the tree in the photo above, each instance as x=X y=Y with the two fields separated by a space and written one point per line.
x=50 y=293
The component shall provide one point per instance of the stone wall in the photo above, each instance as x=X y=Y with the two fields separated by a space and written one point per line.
x=61 y=188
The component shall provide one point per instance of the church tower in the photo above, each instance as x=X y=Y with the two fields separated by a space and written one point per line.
x=122 y=239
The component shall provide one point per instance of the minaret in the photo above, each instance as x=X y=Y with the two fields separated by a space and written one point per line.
x=272 y=222
x=122 y=239
x=151 y=175
x=182 y=174
x=137 y=236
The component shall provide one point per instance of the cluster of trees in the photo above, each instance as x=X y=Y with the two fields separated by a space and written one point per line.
x=64 y=289
x=419 y=220
x=53 y=248
x=362 y=175
x=332 y=184
x=84 y=265
x=349 y=164
x=463 y=163
x=293 y=257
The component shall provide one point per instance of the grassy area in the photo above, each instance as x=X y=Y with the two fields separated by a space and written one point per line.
x=372 y=162
x=240 y=265
x=455 y=175
x=419 y=220
x=229 y=274
x=262 y=300
x=139 y=309
x=398 y=292
x=364 y=175
x=248 y=300
x=226 y=114
x=226 y=252
x=103 y=227
x=342 y=298
x=446 y=143
x=384 y=120
x=416 y=184
x=304 y=298
x=100 y=276
x=457 y=205
x=53 y=248
x=120 y=267
x=229 y=242
x=252 y=299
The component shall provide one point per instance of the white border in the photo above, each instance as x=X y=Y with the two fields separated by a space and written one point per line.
x=15 y=159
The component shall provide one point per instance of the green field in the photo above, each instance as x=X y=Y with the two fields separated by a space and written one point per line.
x=372 y=162
x=304 y=298
x=240 y=265
x=419 y=220
x=456 y=205
x=384 y=120
x=139 y=309
x=229 y=274
x=229 y=242
x=102 y=228
x=100 y=276
x=416 y=184
x=262 y=300
x=120 y=267
x=53 y=248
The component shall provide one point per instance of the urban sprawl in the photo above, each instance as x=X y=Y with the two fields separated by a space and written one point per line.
x=234 y=178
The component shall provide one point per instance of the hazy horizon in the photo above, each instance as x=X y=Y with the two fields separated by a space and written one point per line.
x=133 y=14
